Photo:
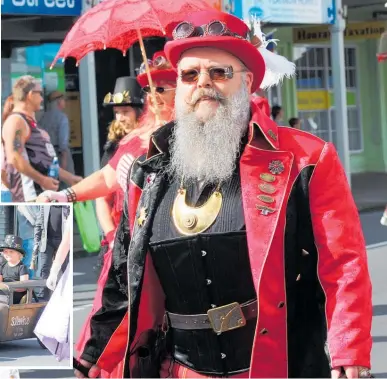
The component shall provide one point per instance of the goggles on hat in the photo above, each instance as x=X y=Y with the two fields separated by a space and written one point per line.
x=156 y=63
x=215 y=28
x=117 y=98
x=216 y=74
x=147 y=89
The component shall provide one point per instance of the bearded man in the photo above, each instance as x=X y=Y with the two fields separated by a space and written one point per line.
x=245 y=243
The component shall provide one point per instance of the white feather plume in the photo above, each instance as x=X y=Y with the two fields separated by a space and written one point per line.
x=277 y=66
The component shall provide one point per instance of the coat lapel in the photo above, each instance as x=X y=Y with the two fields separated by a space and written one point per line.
x=265 y=177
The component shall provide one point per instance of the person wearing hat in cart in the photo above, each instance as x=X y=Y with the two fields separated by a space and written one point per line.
x=56 y=123
x=246 y=251
x=13 y=270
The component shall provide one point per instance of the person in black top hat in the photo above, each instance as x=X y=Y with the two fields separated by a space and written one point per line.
x=127 y=102
x=13 y=270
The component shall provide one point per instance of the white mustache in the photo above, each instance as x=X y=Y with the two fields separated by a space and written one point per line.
x=205 y=92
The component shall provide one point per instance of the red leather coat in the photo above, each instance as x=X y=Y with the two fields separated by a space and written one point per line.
x=262 y=103
x=309 y=238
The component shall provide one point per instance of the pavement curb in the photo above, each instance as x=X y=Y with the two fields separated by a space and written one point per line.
x=371 y=208
x=80 y=253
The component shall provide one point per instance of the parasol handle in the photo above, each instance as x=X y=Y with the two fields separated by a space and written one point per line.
x=153 y=91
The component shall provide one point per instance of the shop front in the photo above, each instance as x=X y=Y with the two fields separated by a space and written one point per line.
x=32 y=31
x=365 y=91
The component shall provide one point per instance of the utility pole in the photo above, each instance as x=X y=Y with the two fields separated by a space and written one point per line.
x=339 y=87
x=89 y=110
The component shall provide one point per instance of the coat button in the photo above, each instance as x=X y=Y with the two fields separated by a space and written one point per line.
x=281 y=304
x=204 y=253
x=222 y=355
x=213 y=306
x=208 y=281
x=264 y=331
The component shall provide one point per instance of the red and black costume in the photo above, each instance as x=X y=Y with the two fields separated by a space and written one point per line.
x=286 y=250
x=305 y=262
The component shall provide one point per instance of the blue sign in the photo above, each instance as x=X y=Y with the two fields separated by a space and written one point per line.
x=290 y=11
x=234 y=7
x=42 y=7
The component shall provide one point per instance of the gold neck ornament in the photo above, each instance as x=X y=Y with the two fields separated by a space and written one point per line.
x=194 y=220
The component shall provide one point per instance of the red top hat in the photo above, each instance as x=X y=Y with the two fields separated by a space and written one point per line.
x=160 y=69
x=220 y=30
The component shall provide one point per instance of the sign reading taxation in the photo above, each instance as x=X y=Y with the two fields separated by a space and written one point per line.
x=42 y=7
x=290 y=11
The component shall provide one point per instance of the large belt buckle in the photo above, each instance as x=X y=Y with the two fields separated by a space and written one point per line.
x=226 y=318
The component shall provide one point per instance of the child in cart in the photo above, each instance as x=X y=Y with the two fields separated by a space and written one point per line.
x=12 y=269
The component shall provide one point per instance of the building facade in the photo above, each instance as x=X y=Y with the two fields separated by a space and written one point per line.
x=310 y=94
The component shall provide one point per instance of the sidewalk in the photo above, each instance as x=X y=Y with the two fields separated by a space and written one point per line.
x=377 y=261
x=369 y=190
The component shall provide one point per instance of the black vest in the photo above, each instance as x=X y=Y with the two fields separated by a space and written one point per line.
x=202 y=271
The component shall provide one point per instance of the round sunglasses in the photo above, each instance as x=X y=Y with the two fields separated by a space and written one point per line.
x=147 y=89
x=215 y=73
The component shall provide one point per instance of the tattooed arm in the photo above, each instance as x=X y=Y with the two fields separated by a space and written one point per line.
x=15 y=134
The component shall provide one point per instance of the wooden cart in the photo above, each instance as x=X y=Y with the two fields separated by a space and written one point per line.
x=18 y=321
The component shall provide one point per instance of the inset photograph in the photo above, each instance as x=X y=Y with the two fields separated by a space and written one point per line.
x=36 y=300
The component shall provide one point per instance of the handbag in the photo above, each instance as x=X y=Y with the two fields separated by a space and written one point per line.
x=149 y=355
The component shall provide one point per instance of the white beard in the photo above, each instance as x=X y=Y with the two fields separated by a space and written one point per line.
x=207 y=152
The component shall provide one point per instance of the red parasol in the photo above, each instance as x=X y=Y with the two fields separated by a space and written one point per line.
x=116 y=24
x=120 y=23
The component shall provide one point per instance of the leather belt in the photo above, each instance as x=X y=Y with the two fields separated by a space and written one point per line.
x=220 y=319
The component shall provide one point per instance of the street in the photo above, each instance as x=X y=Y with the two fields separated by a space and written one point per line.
x=28 y=353
x=375 y=234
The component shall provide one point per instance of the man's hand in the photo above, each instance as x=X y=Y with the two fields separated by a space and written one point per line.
x=49 y=183
x=93 y=372
x=49 y=196
x=351 y=372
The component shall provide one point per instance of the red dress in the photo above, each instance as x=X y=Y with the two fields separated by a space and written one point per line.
x=128 y=149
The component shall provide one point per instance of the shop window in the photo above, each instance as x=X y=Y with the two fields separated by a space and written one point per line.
x=316 y=123
x=316 y=98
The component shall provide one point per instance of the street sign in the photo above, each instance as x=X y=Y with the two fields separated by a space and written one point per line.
x=42 y=7
x=290 y=11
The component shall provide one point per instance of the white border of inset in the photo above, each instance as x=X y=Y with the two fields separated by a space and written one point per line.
x=71 y=263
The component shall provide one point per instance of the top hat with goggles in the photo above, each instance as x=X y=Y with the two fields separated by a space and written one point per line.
x=212 y=28
x=127 y=92
x=160 y=70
